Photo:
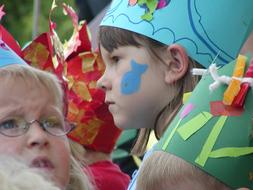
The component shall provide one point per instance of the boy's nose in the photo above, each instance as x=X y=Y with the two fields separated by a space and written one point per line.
x=38 y=137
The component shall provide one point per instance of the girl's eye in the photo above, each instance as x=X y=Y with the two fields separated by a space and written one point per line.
x=9 y=124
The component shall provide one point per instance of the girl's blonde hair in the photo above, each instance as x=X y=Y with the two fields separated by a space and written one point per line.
x=164 y=171
x=78 y=179
x=111 y=38
x=78 y=152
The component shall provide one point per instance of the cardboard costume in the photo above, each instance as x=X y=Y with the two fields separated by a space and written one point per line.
x=214 y=136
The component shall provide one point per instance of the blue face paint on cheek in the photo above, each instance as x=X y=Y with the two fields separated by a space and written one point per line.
x=131 y=80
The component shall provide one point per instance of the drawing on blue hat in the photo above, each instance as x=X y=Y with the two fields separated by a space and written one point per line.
x=131 y=80
x=149 y=6
x=190 y=23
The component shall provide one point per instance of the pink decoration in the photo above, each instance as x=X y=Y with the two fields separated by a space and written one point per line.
x=188 y=108
x=72 y=14
x=132 y=2
x=162 y=3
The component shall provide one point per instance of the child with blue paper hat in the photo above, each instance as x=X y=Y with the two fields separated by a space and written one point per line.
x=150 y=47
x=209 y=143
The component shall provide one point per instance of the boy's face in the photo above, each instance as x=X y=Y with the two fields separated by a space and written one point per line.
x=134 y=85
x=50 y=154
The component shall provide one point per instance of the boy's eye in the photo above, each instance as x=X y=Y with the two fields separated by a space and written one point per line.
x=115 y=59
x=9 y=124
x=51 y=122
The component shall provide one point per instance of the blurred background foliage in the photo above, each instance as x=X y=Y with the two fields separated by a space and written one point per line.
x=18 y=19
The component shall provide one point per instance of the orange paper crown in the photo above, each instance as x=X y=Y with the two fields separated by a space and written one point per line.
x=80 y=68
x=95 y=126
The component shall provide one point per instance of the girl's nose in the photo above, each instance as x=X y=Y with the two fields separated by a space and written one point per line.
x=37 y=136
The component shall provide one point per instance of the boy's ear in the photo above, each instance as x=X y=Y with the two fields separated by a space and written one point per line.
x=177 y=63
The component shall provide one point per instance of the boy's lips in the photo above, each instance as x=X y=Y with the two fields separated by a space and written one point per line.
x=42 y=163
x=109 y=102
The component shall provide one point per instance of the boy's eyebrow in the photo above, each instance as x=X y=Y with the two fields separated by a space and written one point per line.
x=11 y=112
x=116 y=50
x=53 y=111
x=18 y=111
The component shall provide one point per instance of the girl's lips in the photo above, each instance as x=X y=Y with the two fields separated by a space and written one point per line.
x=42 y=163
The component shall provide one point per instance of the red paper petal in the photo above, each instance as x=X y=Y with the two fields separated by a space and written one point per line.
x=217 y=108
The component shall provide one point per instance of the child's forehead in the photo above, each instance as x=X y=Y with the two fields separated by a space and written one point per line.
x=17 y=80
x=18 y=85
x=120 y=49
x=18 y=95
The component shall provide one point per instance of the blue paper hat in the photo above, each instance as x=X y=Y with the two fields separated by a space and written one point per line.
x=204 y=28
x=8 y=56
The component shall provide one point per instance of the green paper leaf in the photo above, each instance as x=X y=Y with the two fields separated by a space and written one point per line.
x=192 y=126
x=231 y=152
x=167 y=141
x=219 y=156
x=208 y=146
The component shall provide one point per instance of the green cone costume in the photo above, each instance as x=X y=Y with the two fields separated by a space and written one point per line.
x=214 y=136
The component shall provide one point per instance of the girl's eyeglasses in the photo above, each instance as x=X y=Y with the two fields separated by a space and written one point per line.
x=18 y=126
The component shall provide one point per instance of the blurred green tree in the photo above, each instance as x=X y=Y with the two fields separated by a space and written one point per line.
x=19 y=18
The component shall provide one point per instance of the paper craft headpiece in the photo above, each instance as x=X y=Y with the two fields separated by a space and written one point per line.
x=213 y=130
x=8 y=56
x=9 y=49
x=81 y=68
x=203 y=28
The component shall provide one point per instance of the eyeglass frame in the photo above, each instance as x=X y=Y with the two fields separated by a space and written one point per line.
x=29 y=123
